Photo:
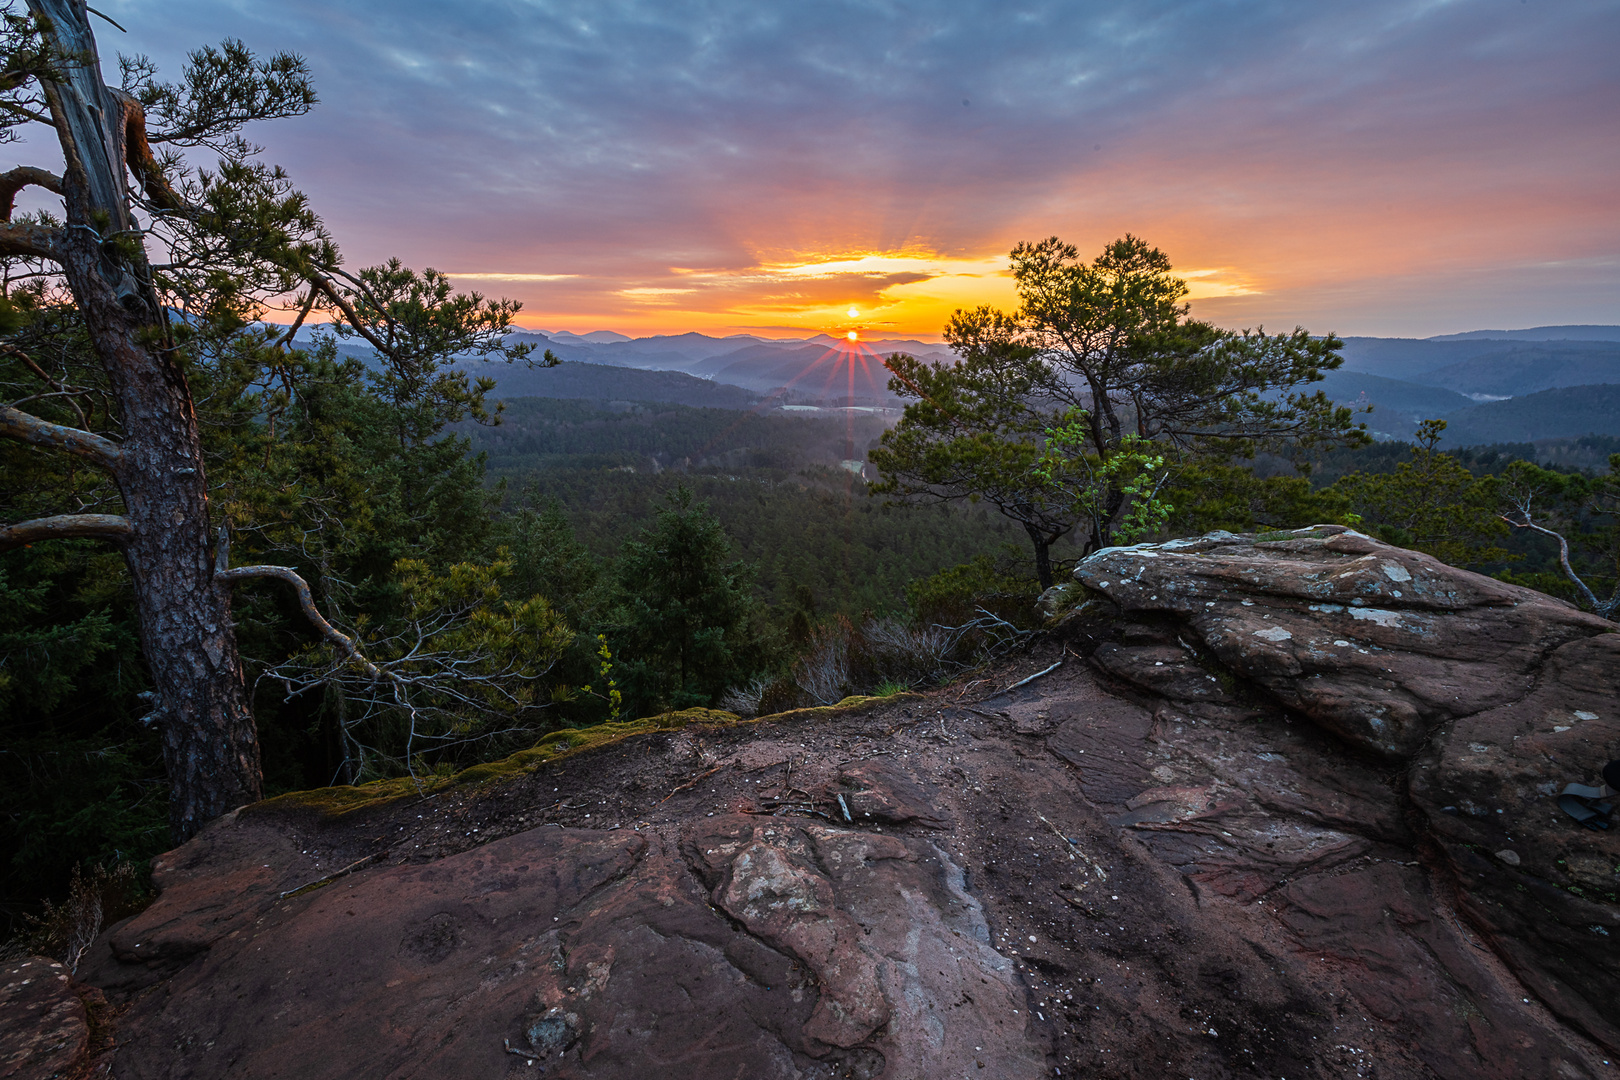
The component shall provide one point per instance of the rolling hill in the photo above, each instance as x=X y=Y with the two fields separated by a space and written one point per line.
x=1490 y=367
x=572 y=380
x=1538 y=333
x=1566 y=412
x=1559 y=381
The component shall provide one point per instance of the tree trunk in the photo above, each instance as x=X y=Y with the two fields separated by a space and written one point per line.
x=1043 y=555
x=210 y=746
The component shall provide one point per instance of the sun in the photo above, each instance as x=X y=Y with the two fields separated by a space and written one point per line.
x=854 y=313
x=853 y=336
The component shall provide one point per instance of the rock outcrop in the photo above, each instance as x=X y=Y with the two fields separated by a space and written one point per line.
x=1284 y=810
x=1487 y=698
x=1375 y=643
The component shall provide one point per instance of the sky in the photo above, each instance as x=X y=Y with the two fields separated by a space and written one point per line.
x=1383 y=167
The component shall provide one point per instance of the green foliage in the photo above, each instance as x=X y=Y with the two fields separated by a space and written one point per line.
x=548 y=560
x=604 y=675
x=1085 y=402
x=418 y=324
x=1432 y=504
x=220 y=90
x=972 y=434
x=1214 y=494
x=542 y=434
x=1133 y=473
x=81 y=780
x=955 y=596
x=798 y=522
x=684 y=610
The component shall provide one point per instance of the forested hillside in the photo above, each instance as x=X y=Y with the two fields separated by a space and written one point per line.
x=1569 y=412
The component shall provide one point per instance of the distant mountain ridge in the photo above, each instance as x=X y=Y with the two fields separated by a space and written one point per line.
x=1537 y=333
x=573 y=380
x=1462 y=378
x=1493 y=367
x=817 y=368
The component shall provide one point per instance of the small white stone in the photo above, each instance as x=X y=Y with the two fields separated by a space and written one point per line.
x=1509 y=856
x=1582 y=714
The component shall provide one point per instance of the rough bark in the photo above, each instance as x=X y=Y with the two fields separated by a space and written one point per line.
x=209 y=742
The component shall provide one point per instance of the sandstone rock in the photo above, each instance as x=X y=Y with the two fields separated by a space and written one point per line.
x=591 y=953
x=1375 y=643
x=1487 y=785
x=877 y=793
x=1497 y=695
x=43 y=1028
x=1142 y=874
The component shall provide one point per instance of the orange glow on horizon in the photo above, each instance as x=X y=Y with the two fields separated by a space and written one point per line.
x=902 y=292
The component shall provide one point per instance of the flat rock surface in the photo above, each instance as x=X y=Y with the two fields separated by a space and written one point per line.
x=43 y=1028
x=1112 y=871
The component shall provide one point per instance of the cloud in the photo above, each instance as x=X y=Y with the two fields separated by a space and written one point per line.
x=510 y=277
x=588 y=149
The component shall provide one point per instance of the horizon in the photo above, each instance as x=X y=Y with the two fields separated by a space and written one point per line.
x=1402 y=169
x=922 y=337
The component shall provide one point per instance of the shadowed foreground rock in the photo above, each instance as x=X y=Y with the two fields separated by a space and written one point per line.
x=1194 y=854
x=45 y=1031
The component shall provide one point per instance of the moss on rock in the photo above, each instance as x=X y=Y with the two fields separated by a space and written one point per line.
x=335 y=802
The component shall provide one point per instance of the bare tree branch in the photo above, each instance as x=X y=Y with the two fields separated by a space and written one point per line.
x=1604 y=608
x=109 y=527
x=330 y=291
x=306 y=603
x=71 y=393
x=16 y=424
x=286 y=339
x=26 y=241
x=22 y=176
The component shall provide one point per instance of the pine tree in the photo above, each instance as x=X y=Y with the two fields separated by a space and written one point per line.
x=683 y=612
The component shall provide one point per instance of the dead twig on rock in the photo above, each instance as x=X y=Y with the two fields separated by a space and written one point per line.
x=1029 y=679
x=691 y=783
x=1074 y=849
x=531 y=1055
x=1080 y=905
x=334 y=875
